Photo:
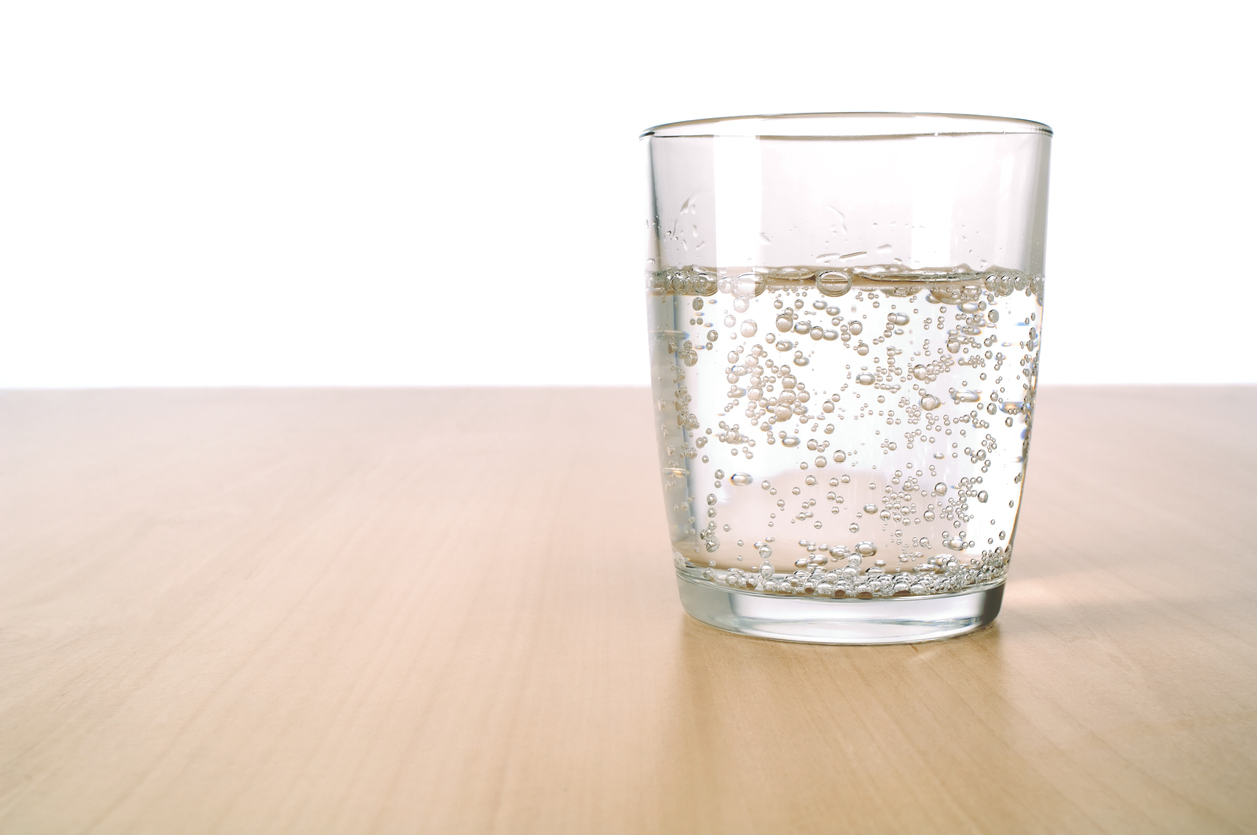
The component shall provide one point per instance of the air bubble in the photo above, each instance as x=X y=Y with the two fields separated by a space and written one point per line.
x=920 y=372
x=749 y=284
x=730 y=320
x=929 y=402
x=868 y=508
x=834 y=283
x=940 y=489
x=790 y=441
x=865 y=379
x=749 y=328
x=741 y=479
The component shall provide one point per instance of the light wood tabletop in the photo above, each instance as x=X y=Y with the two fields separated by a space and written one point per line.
x=413 y=610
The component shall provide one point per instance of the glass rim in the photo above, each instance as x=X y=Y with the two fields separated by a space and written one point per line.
x=847 y=126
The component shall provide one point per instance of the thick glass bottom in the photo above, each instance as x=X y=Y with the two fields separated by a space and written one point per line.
x=896 y=620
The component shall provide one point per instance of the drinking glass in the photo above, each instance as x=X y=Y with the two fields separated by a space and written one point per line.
x=845 y=313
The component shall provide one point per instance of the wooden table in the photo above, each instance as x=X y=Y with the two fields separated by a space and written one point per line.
x=454 y=611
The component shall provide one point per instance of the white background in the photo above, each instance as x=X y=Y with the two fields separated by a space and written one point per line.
x=364 y=193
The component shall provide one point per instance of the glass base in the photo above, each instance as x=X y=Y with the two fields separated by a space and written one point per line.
x=895 y=620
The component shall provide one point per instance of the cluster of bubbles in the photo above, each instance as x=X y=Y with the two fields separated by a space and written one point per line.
x=751 y=363
x=850 y=577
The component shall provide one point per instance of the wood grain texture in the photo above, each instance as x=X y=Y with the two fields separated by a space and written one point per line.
x=454 y=611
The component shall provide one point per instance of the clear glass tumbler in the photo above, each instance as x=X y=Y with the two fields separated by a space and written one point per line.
x=845 y=314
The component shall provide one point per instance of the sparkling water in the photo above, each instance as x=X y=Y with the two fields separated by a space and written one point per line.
x=844 y=433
